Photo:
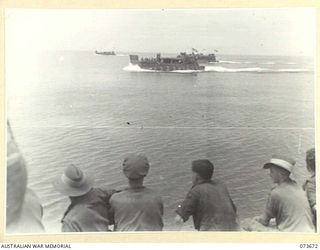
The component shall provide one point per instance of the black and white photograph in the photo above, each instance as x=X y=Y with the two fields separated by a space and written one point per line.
x=150 y=120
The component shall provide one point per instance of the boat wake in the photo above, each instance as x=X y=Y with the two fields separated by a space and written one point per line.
x=253 y=69
x=136 y=68
x=261 y=63
x=234 y=62
x=219 y=69
x=294 y=70
x=267 y=63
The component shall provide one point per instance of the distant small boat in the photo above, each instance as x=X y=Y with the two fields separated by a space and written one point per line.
x=105 y=53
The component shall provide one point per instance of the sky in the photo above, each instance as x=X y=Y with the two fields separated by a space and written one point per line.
x=288 y=32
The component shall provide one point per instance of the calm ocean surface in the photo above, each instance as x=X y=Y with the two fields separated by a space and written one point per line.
x=73 y=107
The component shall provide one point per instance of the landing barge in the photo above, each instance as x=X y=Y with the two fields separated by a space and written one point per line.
x=105 y=53
x=182 y=62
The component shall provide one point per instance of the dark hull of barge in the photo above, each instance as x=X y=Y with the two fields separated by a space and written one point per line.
x=167 y=64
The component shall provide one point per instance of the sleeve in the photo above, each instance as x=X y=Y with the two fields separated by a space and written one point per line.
x=233 y=206
x=111 y=215
x=69 y=227
x=231 y=201
x=271 y=207
x=108 y=194
x=86 y=221
x=189 y=205
x=160 y=205
x=110 y=212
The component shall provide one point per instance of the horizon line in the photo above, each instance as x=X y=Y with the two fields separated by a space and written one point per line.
x=153 y=52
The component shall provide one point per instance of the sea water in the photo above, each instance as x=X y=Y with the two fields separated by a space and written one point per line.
x=91 y=110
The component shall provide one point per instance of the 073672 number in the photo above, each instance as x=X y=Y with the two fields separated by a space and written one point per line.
x=309 y=246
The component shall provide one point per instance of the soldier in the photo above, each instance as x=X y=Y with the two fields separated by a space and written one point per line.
x=287 y=202
x=208 y=201
x=137 y=208
x=88 y=211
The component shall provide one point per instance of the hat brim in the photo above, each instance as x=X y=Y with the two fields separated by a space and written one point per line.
x=65 y=189
x=269 y=165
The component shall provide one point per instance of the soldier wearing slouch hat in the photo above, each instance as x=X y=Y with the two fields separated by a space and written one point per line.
x=287 y=202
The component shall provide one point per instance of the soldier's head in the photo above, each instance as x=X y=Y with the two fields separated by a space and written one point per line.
x=311 y=160
x=280 y=168
x=135 y=167
x=202 y=170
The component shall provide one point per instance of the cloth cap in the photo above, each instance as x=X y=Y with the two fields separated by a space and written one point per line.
x=135 y=166
x=204 y=168
x=280 y=161
x=73 y=182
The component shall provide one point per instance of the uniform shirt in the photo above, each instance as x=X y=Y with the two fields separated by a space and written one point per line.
x=24 y=211
x=16 y=179
x=288 y=204
x=137 y=209
x=29 y=220
x=211 y=206
x=88 y=213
